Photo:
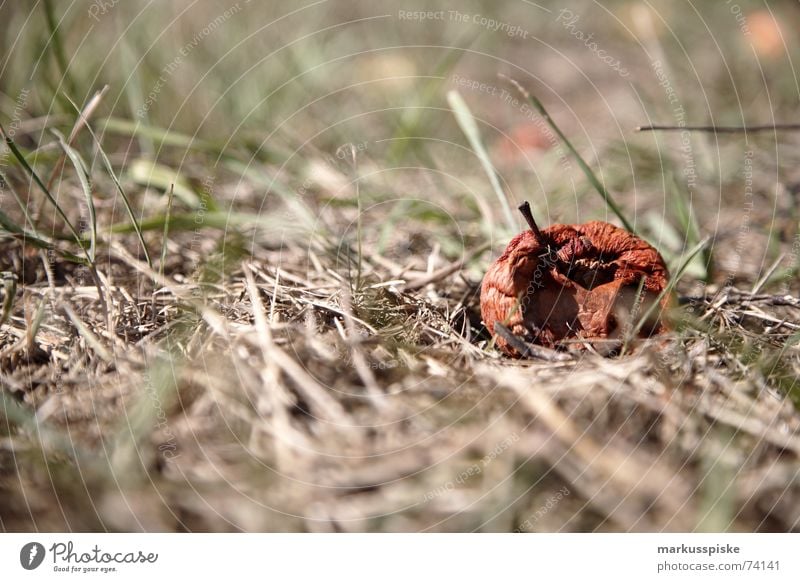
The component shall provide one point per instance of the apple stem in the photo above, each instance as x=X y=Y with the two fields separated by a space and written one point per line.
x=525 y=209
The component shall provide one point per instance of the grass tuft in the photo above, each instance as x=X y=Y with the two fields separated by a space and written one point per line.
x=588 y=172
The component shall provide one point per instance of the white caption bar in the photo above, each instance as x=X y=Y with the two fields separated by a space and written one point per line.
x=400 y=557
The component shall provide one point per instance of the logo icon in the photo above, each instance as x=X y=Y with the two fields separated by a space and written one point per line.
x=31 y=555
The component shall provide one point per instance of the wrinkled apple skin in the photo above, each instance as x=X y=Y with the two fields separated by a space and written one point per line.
x=580 y=282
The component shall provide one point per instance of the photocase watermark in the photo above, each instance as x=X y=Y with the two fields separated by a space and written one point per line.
x=16 y=120
x=689 y=167
x=420 y=15
x=470 y=18
x=741 y=19
x=375 y=365
x=31 y=555
x=794 y=264
x=569 y=21
x=65 y=558
x=472 y=470
x=169 y=69
x=200 y=214
x=476 y=85
x=523 y=107
x=169 y=446
x=11 y=129
x=95 y=560
x=744 y=223
x=349 y=149
x=543 y=510
x=100 y=8
x=510 y=30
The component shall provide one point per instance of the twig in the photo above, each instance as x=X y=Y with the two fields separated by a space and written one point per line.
x=444 y=272
x=722 y=128
x=737 y=296
x=527 y=349
x=766 y=276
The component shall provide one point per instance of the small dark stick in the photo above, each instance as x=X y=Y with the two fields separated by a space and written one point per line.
x=528 y=349
x=722 y=128
x=550 y=253
x=525 y=209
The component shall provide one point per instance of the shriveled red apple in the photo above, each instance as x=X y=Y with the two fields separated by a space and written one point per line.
x=571 y=285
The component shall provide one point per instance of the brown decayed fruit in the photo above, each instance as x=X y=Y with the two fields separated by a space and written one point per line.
x=571 y=285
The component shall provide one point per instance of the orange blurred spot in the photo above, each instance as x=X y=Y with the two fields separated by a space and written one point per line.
x=765 y=34
x=520 y=141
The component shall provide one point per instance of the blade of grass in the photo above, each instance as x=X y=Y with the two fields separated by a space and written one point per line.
x=687 y=218
x=91 y=339
x=134 y=91
x=58 y=46
x=588 y=172
x=20 y=203
x=164 y=241
x=470 y=128
x=351 y=155
x=35 y=324
x=89 y=253
x=32 y=173
x=781 y=371
x=413 y=118
x=126 y=201
x=9 y=293
x=8 y=225
x=220 y=220
x=80 y=122
x=687 y=259
x=768 y=274
x=165 y=236
x=153 y=175
x=86 y=186
x=159 y=136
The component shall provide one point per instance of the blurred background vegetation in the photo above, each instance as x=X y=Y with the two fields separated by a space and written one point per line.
x=306 y=139
x=276 y=90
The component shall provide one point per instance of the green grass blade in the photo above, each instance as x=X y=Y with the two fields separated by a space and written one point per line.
x=158 y=136
x=9 y=294
x=153 y=175
x=58 y=45
x=32 y=173
x=34 y=239
x=165 y=235
x=126 y=201
x=470 y=128
x=23 y=208
x=588 y=172
x=220 y=220
x=678 y=273
x=414 y=118
x=687 y=219
x=90 y=338
x=86 y=186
